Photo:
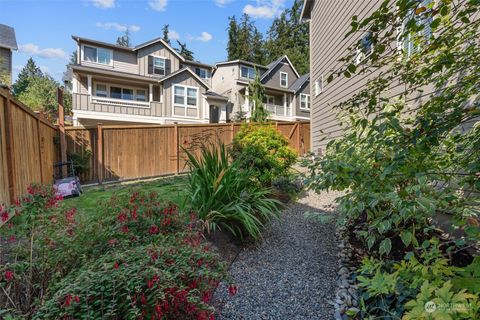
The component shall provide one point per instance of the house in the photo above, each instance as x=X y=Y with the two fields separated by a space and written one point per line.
x=328 y=44
x=287 y=93
x=8 y=43
x=147 y=84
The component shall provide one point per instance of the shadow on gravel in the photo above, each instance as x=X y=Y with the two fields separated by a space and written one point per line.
x=291 y=274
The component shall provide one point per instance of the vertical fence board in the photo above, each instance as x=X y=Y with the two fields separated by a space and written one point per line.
x=4 y=181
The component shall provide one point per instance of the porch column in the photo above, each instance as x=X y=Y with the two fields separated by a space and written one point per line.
x=150 y=92
x=285 y=104
x=293 y=106
x=89 y=85
x=247 y=102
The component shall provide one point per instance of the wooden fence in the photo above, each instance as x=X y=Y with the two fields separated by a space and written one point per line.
x=28 y=148
x=119 y=153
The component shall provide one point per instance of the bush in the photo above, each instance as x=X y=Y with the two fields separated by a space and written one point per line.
x=264 y=150
x=391 y=290
x=223 y=195
x=64 y=265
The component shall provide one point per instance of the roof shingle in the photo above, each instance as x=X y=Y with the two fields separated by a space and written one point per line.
x=7 y=37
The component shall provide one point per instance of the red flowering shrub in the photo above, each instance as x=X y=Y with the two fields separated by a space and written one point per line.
x=134 y=257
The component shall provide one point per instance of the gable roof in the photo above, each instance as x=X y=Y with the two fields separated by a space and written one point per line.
x=241 y=62
x=298 y=84
x=131 y=49
x=173 y=74
x=275 y=63
x=307 y=9
x=7 y=37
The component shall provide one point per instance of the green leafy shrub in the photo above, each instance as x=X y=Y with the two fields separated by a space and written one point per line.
x=393 y=290
x=59 y=264
x=223 y=195
x=264 y=150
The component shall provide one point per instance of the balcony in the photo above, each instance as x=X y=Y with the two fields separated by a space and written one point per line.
x=278 y=110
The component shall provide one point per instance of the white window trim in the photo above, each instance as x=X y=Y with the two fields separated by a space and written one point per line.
x=208 y=74
x=248 y=69
x=165 y=63
x=360 y=56
x=307 y=100
x=286 y=79
x=319 y=86
x=96 y=62
x=94 y=91
x=185 y=105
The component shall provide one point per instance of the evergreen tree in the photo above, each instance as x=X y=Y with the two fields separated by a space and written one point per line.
x=41 y=95
x=124 y=40
x=257 y=95
x=232 y=46
x=25 y=76
x=289 y=35
x=184 y=51
x=257 y=54
x=165 y=30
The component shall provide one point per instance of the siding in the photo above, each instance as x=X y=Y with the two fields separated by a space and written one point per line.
x=158 y=50
x=184 y=78
x=273 y=79
x=329 y=23
x=123 y=61
x=6 y=62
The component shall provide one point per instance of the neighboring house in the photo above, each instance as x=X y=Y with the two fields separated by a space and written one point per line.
x=8 y=43
x=329 y=23
x=147 y=84
x=287 y=93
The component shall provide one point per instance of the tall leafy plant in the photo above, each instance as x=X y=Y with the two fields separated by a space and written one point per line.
x=256 y=96
x=223 y=195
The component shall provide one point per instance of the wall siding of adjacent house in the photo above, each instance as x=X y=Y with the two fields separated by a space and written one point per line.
x=306 y=90
x=159 y=50
x=123 y=61
x=184 y=78
x=6 y=60
x=273 y=79
x=328 y=25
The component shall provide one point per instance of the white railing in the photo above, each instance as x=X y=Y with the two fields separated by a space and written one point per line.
x=277 y=110
x=121 y=102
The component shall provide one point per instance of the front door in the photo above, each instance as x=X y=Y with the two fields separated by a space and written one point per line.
x=214 y=114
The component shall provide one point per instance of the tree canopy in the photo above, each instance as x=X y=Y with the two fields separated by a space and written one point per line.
x=287 y=35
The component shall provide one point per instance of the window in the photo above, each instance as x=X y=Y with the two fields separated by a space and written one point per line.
x=305 y=101
x=365 y=48
x=247 y=72
x=159 y=65
x=141 y=95
x=185 y=101
x=97 y=55
x=319 y=86
x=414 y=42
x=284 y=79
x=101 y=90
x=203 y=73
x=115 y=92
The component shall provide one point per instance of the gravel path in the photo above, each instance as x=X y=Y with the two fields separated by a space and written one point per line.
x=291 y=274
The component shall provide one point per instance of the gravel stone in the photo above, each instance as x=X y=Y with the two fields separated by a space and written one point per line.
x=292 y=273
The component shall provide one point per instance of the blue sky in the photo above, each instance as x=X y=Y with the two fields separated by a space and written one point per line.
x=44 y=27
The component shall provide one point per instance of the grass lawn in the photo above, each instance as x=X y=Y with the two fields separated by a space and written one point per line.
x=168 y=189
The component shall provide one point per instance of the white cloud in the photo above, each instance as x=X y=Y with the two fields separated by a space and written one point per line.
x=158 y=5
x=45 y=69
x=35 y=50
x=105 y=4
x=204 y=37
x=264 y=9
x=117 y=26
x=173 y=35
x=223 y=3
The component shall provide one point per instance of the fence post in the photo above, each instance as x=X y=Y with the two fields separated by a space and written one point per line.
x=9 y=148
x=175 y=147
x=232 y=127
x=61 y=125
x=100 y=153
x=40 y=155
x=299 y=140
